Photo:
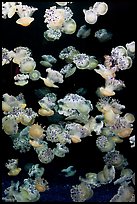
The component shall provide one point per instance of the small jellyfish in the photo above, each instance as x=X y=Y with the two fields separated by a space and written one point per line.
x=100 y=8
x=69 y=27
x=21 y=79
x=68 y=70
x=34 y=75
x=81 y=192
x=12 y=166
x=103 y=35
x=69 y=171
x=52 y=34
x=36 y=131
x=27 y=65
x=83 y=32
x=90 y=16
x=25 y=12
x=19 y=53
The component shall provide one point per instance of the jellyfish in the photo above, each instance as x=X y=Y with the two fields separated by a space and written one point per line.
x=75 y=107
x=81 y=192
x=83 y=32
x=131 y=49
x=34 y=75
x=36 y=131
x=28 y=117
x=132 y=141
x=21 y=142
x=69 y=27
x=69 y=171
x=54 y=17
x=62 y=3
x=21 y=79
x=52 y=77
x=9 y=9
x=9 y=125
x=48 y=60
x=7 y=56
x=45 y=156
x=19 y=53
x=47 y=103
x=36 y=171
x=68 y=70
x=68 y=54
x=76 y=131
x=114 y=158
x=100 y=8
x=27 y=65
x=111 y=84
x=103 y=35
x=105 y=144
x=125 y=194
x=91 y=179
x=52 y=34
x=107 y=175
x=41 y=185
x=81 y=61
x=90 y=16
x=125 y=175
x=60 y=150
x=121 y=127
x=53 y=131
x=12 y=166
x=10 y=102
x=25 y=12
x=105 y=72
x=107 y=103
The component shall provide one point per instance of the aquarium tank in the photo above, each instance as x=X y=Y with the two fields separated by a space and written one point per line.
x=68 y=101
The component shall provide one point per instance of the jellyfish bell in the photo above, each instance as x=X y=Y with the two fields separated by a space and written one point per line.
x=14 y=172
x=62 y=3
x=44 y=112
x=69 y=27
x=105 y=92
x=90 y=16
x=75 y=139
x=101 y=8
x=25 y=21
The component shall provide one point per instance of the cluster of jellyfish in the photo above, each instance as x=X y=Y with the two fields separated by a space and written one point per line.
x=111 y=126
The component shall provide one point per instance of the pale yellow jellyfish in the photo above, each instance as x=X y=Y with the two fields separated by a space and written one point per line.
x=25 y=12
x=27 y=65
x=105 y=72
x=44 y=112
x=75 y=139
x=58 y=22
x=131 y=47
x=9 y=125
x=19 y=53
x=90 y=16
x=36 y=131
x=101 y=8
x=41 y=184
x=69 y=27
x=62 y=3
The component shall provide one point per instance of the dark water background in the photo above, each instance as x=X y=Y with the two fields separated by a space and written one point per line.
x=84 y=156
